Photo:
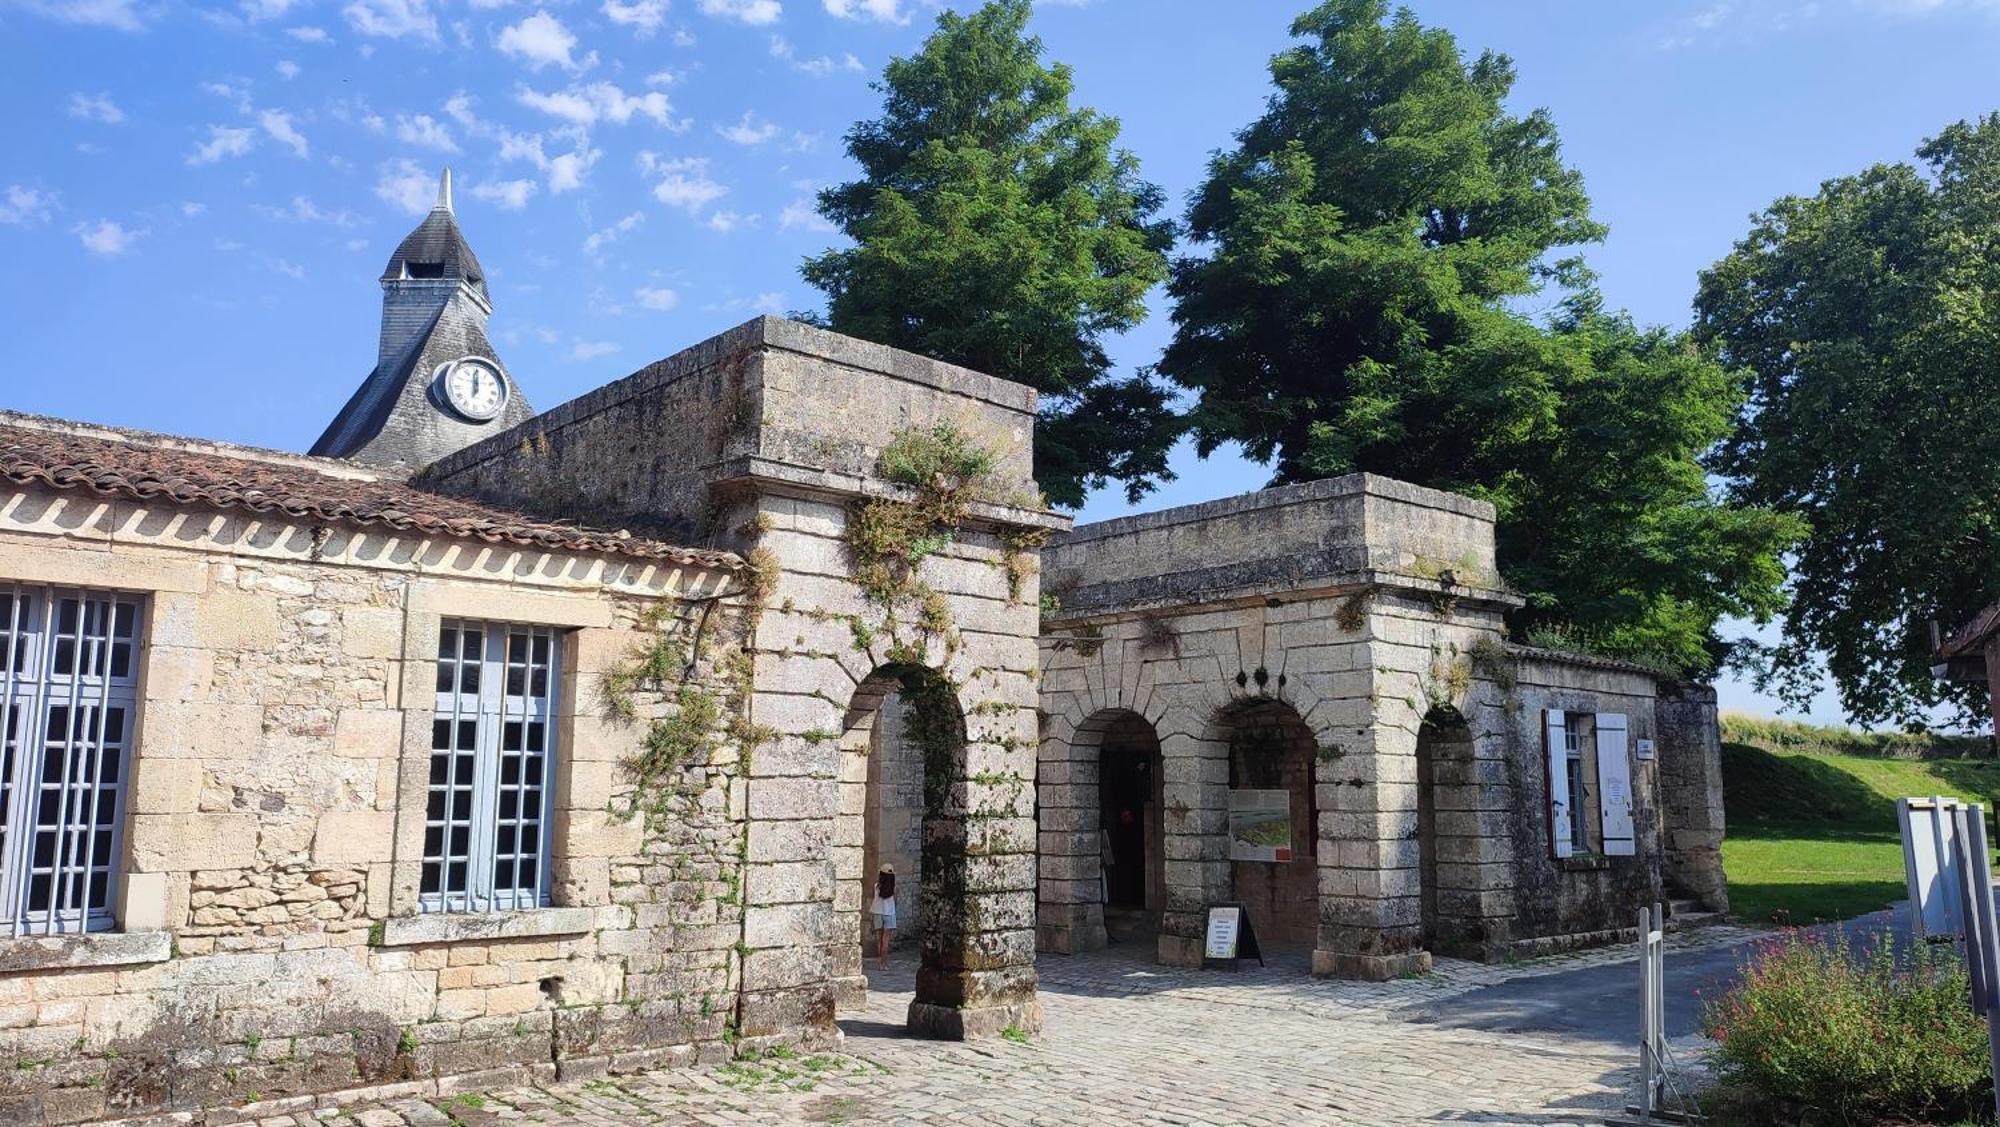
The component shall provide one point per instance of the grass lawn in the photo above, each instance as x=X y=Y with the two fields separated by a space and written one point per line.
x=1813 y=836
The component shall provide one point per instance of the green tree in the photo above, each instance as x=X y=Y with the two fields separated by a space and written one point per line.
x=1354 y=306
x=1868 y=317
x=996 y=226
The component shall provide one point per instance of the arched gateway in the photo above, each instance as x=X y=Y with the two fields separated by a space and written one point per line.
x=1347 y=745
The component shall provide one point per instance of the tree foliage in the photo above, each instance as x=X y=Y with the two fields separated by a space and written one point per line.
x=1868 y=317
x=1365 y=249
x=996 y=226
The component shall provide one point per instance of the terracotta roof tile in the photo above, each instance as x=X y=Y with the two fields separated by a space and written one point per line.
x=146 y=467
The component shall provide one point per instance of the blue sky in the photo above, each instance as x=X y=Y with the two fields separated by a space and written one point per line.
x=196 y=198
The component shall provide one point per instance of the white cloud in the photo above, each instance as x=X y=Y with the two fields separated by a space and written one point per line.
x=820 y=67
x=107 y=238
x=191 y=209
x=309 y=34
x=459 y=108
x=278 y=124
x=406 y=187
x=598 y=101
x=662 y=78
x=800 y=214
x=541 y=40
x=424 y=131
x=749 y=131
x=507 y=195
x=656 y=298
x=727 y=221
x=224 y=141
x=392 y=19
x=257 y=11
x=753 y=12
x=566 y=171
x=523 y=146
x=288 y=268
x=287 y=69
x=303 y=210
x=26 y=205
x=598 y=240
x=591 y=349
x=95 y=107
x=643 y=16
x=684 y=183
x=120 y=14
x=885 y=11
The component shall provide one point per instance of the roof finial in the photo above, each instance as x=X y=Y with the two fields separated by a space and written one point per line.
x=444 y=192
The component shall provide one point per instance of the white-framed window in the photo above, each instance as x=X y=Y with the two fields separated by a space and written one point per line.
x=493 y=748
x=69 y=674
x=1589 y=752
x=1579 y=834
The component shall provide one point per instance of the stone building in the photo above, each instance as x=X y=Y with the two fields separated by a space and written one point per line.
x=484 y=746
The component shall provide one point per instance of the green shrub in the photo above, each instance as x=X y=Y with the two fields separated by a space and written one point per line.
x=1815 y=1026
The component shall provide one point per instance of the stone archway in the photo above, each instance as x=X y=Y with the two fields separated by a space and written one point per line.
x=907 y=722
x=1271 y=757
x=1099 y=798
x=880 y=821
x=1450 y=836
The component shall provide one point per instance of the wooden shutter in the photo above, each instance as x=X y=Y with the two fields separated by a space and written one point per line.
x=1614 y=784
x=1559 y=798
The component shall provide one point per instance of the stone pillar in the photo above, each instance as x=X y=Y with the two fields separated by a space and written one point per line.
x=1690 y=771
x=1195 y=799
x=1472 y=800
x=1370 y=891
x=978 y=972
x=850 y=867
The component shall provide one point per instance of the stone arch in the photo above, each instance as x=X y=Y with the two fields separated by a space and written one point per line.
x=1451 y=835
x=1071 y=818
x=969 y=982
x=1268 y=747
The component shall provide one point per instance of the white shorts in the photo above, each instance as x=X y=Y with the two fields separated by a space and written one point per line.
x=885 y=915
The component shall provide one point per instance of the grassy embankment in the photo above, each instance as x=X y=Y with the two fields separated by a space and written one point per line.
x=1812 y=812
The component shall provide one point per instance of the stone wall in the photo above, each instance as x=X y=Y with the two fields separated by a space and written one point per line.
x=1555 y=901
x=270 y=942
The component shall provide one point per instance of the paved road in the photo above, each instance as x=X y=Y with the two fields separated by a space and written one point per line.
x=1600 y=1004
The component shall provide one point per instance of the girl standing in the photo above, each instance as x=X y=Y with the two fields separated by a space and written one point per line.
x=884 y=909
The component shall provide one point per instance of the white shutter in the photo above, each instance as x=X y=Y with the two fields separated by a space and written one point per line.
x=1559 y=798
x=1614 y=784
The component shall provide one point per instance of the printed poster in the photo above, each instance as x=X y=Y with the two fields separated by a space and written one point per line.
x=1260 y=825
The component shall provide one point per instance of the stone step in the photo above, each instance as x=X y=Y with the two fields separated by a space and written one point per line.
x=1682 y=921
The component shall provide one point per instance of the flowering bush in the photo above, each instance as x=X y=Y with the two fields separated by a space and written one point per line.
x=1856 y=1035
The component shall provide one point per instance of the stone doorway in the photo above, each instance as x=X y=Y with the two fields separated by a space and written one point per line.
x=1131 y=831
x=1272 y=749
x=1102 y=830
x=1451 y=832
x=885 y=812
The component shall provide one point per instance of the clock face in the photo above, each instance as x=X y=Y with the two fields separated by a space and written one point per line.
x=474 y=389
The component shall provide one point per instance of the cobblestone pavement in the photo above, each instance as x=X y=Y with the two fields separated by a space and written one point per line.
x=1125 y=1042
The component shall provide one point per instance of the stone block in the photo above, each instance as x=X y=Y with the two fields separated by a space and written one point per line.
x=373 y=632
x=179 y=843
x=165 y=786
x=369 y=733
x=354 y=837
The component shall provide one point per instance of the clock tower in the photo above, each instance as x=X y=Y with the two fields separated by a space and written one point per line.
x=438 y=385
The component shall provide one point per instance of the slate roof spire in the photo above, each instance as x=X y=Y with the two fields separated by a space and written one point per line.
x=434 y=309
